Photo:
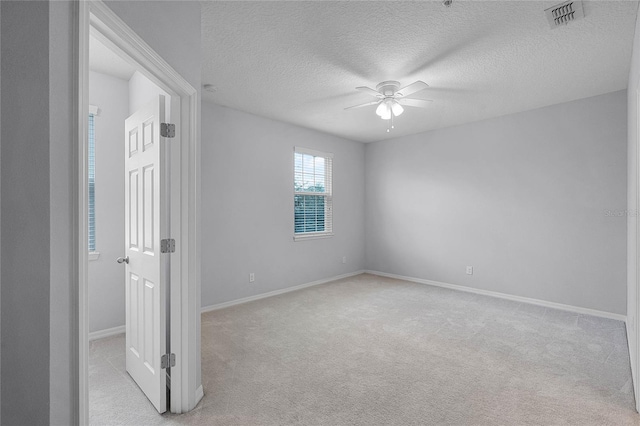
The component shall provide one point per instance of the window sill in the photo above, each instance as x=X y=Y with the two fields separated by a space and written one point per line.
x=94 y=255
x=310 y=236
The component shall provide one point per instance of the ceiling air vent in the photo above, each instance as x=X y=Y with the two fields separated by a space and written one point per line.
x=563 y=13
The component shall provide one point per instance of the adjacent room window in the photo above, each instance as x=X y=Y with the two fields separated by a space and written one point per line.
x=92 y=183
x=313 y=200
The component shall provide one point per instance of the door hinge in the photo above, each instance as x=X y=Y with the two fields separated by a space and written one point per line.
x=168 y=360
x=167 y=245
x=167 y=130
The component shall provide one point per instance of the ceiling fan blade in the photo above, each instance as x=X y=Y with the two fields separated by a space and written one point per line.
x=420 y=103
x=370 y=91
x=411 y=89
x=364 y=105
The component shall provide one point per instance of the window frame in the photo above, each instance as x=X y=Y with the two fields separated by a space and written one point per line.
x=327 y=195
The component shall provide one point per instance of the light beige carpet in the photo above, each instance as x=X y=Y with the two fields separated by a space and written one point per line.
x=376 y=351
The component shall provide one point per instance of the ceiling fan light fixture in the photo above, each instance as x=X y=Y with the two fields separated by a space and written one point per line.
x=396 y=108
x=383 y=110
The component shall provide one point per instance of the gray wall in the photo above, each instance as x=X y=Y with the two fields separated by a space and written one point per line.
x=106 y=277
x=247 y=206
x=24 y=222
x=521 y=198
x=632 y=206
x=180 y=46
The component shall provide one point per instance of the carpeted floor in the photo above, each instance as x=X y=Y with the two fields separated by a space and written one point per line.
x=375 y=351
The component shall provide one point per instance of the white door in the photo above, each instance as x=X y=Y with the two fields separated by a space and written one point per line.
x=145 y=273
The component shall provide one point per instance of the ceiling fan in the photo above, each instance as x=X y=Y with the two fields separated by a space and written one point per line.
x=391 y=98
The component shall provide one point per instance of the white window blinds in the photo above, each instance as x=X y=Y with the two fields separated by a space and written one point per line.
x=92 y=182
x=313 y=196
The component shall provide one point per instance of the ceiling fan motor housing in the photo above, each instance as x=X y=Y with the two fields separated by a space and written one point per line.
x=388 y=88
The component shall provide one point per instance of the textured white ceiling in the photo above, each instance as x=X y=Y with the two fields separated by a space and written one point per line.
x=106 y=61
x=300 y=62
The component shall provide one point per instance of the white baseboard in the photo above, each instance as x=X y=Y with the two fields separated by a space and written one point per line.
x=199 y=394
x=544 y=303
x=276 y=292
x=100 y=334
x=121 y=329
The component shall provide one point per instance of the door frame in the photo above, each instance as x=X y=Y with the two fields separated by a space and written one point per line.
x=633 y=303
x=95 y=18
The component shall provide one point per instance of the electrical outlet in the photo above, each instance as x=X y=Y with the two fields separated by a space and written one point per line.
x=469 y=270
x=344 y=259
x=252 y=277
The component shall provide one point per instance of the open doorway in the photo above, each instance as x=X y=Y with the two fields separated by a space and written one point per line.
x=116 y=91
x=147 y=76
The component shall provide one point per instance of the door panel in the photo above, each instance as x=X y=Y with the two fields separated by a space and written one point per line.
x=148 y=186
x=146 y=314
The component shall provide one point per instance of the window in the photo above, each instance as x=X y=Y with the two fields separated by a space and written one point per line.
x=313 y=200
x=92 y=183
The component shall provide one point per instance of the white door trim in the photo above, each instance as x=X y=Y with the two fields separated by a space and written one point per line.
x=96 y=18
x=633 y=323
